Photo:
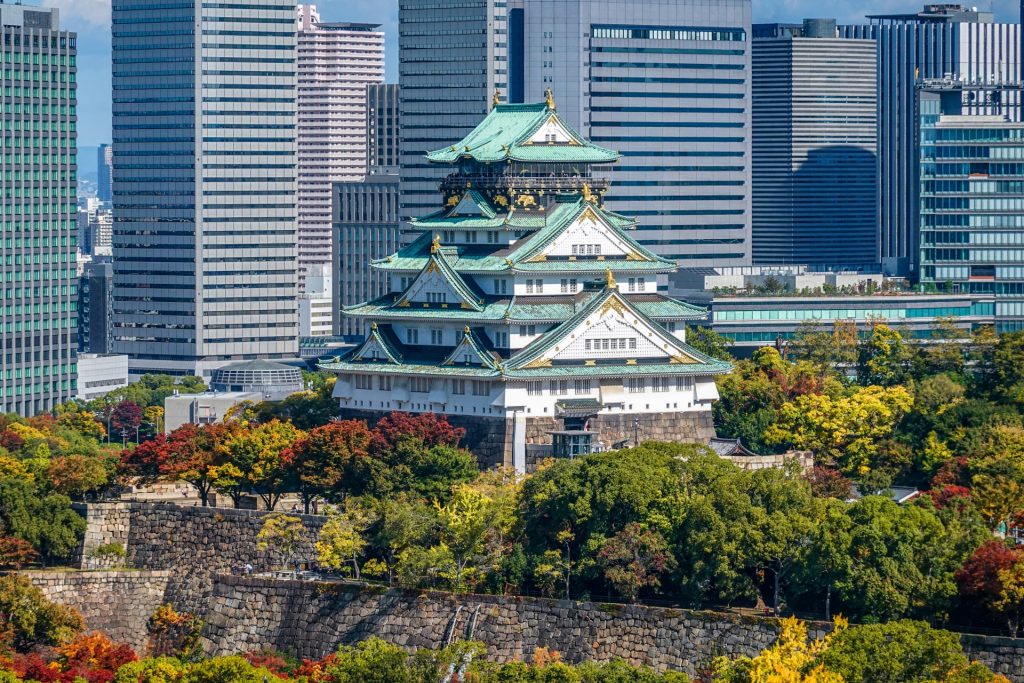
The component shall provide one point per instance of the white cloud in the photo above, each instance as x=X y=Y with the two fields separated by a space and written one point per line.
x=88 y=12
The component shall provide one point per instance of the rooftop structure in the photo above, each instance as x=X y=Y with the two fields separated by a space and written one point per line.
x=274 y=381
x=525 y=311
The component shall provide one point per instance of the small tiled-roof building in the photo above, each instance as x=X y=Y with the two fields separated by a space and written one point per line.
x=526 y=312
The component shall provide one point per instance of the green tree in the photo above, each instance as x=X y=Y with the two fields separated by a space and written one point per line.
x=342 y=539
x=815 y=344
x=709 y=342
x=402 y=523
x=371 y=661
x=45 y=520
x=884 y=358
x=895 y=652
x=227 y=670
x=31 y=619
x=634 y=559
x=1008 y=367
x=283 y=534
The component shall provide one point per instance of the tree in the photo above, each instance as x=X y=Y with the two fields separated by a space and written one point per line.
x=328 y=460
x=371 y=661
x=997 y=480
x=634 y=559
x=16 y=553
x=430 y=472
x=826 y=483
x=825 y=348
x=153 y=417
x=888 y=561
x=430 y=429
x=261 y=455
x=281 y=533
x=709 y=342
x=792 y=659
x=848 y=430
x=980 y=580
x=897 y=651
x=76 y=476
x=1008 y=367
x=126 y=417
x=31 y=619
x=342 y=541
x=191 y=453
x=884 y=358
x=1010 y=602
x=784 y=515
x=46 y=521
x=402 y=523
x=82 y=422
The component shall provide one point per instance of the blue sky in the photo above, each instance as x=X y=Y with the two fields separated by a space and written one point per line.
x=91 y=19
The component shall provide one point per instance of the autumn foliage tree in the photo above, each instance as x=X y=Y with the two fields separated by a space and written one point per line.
x=634 y=559
x=326 y=457
x=983 y=576
x=191 y=453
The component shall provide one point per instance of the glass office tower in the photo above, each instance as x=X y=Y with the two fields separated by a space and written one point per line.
x=38 y=320
x=205 y=263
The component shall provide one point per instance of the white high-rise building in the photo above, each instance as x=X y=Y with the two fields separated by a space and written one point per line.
x=205 y=219
x=336 y=63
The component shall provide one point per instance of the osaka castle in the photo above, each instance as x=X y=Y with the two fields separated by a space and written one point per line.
x=525 y=312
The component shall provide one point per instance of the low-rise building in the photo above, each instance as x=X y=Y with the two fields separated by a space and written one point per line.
x=316 y=308
x=100 y=373
x=206 y=408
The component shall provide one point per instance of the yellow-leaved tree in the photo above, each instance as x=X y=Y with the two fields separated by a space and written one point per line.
x=790 y=660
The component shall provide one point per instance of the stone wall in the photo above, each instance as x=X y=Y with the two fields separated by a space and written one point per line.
x=119 y=603
x=310 y=620
x=197 y=543
x=107 y=524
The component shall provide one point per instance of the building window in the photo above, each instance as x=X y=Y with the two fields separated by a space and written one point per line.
x=535 y=388
x=501 y=340
x=683 y=383
x=481 y=388
x=637 y=284
x=364 y=382
x=661 y=384
x=384 y=383
x=581 y=387
x=437 y=337
x=636 y=385
x=458 y=386
x=421 y=385
x=568 y=286
x=501 y=286
x=527 y=330
x=412 y=336
x=559 y=387
x=437 y=297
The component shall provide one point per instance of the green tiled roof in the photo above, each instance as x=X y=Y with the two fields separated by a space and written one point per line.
x=438 y=261
x=471 y=341
x=536 y=350
x=384 y=339
x=475 y=259
x=527 y=309
x=505 y=135
x=447 y=219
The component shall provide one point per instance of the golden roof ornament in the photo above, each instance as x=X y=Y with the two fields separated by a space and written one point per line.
x=496 y=100
x=373 y=326
x=588 y=196
x=465 y=330
x=549 y=98
x=609 y=279
x=435 y=246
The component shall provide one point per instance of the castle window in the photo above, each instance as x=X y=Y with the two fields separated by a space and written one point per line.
x=437 y=337
x=384 y=383
x=568 y=286
x=581 y=387
x=458 y=386
x=636 y=385
x=412 y=336
x=535 y=388
x=492 y=237
x=364 y=382
x=662 y=383
x=481 y=388
x=501 y=339
x=558 y=387
x=527 y=330
x=500 y=286
x=421 y=385
x=437 y=297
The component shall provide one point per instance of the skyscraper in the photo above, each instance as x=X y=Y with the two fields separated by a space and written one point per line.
x=205 y=223
x=814 y=146
x=971 y=196
x=382 y=130
x=38 y=324
x=667 y=84
x=104 y=173
x=453 y=56
x=941 y=41
x=336 y=63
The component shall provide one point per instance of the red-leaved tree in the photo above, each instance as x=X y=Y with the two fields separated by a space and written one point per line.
x=981 y=579
x=431 y=429
x=327 y=458
x=190 y=453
